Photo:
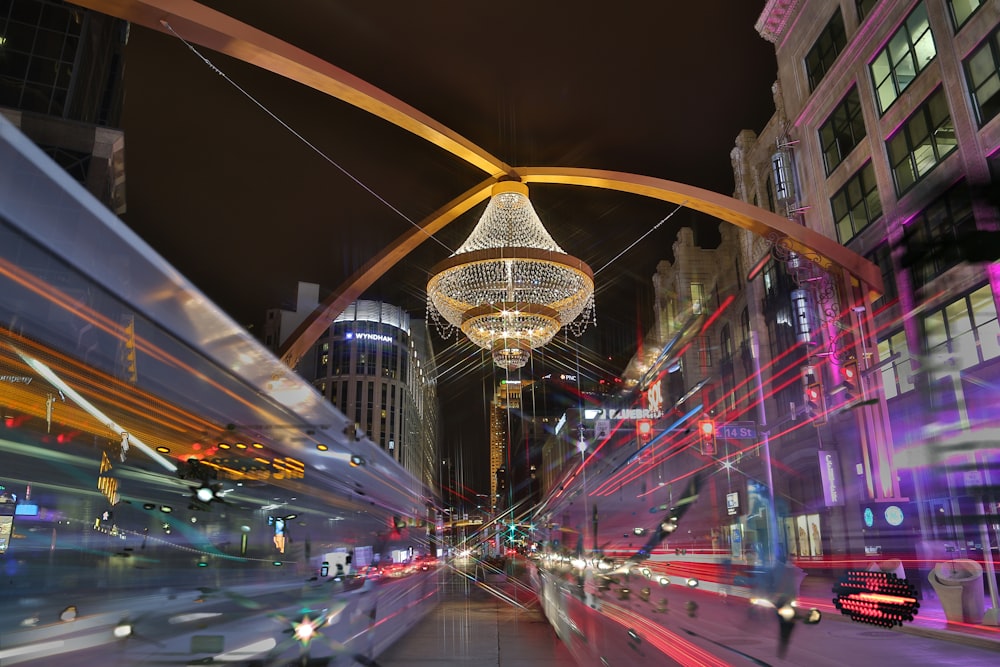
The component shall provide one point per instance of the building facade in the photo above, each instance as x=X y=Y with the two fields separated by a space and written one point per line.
x=885 y=138
x=866 y=414
x=61 y=84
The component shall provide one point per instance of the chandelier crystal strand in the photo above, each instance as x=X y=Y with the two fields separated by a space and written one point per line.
x=510 y=287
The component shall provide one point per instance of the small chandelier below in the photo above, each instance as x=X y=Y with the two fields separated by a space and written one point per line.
x=510 y=288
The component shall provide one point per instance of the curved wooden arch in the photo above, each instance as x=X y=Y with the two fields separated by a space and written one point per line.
x=809 y=243
x=829 y=254
x=198 y=24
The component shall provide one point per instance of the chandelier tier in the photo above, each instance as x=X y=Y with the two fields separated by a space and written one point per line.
x=510 y=288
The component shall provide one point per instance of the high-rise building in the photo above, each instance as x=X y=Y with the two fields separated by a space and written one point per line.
x=61 y=69
x=377 y=366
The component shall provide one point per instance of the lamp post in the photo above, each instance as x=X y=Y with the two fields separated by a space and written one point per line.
x=772 y=519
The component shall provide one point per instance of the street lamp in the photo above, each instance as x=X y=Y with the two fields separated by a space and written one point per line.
x=772 y=520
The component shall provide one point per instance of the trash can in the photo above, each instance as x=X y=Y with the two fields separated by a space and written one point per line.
x=959 y=585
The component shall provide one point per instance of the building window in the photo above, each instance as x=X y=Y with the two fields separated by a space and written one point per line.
x=41 y=42
x=769 y=189
x=907 y=54
x=894 y=360
x=824 y=52
x=857 y=204
x=842 y=131
x=705 y=348
x=882 y=258
x=745 y=343
x=982 y=71
x=770 y=277
x=932 y=236
x=962 y=10
x=697 y=298
x=864 y=8
x=925 y=139
x=726 y=345
x=965 y=330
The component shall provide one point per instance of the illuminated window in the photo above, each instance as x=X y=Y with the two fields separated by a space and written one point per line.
x=962 y=10
x=894 y=357
x=965 y=330
x=982 y=71
x=824 y=52
x=842 y=131
x=925 y=139
x=904 y=57
x=697 y=297
x=856 y=205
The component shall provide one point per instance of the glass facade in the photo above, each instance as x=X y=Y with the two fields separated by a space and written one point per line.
x=61 y=60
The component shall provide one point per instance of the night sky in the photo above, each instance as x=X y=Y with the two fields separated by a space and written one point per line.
x=245 y=209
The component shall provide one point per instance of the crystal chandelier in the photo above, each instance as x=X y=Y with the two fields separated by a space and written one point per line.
x=509 y=288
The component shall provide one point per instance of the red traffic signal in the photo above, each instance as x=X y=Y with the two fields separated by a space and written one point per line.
x=644 y=429
x=816 y=402
x=706 y=436
x=849 y=378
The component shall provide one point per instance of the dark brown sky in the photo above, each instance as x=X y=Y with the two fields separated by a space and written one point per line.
x=245 y=210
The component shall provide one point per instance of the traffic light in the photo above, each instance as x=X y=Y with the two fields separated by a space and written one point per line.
x=706 y=436
x=850 y=380
x=644 y=429
x=815 y=402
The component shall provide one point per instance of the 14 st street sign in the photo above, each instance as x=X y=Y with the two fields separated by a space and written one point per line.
x=737 y=431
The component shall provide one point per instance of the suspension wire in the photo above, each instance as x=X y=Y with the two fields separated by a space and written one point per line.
x=301 y=138
x=634 y=243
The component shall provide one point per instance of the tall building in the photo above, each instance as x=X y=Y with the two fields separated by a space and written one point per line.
x=61 y=71
x=377 y=366
x=886 y=138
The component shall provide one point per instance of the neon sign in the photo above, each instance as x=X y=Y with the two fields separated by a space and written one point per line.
x=381 y=338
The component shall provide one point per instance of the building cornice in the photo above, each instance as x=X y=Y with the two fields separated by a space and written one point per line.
x=774 y=18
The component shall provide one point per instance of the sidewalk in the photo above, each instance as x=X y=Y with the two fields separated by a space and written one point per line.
x=817 y=591
x=472 y=627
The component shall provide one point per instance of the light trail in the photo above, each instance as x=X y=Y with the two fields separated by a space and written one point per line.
x=678 y=648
